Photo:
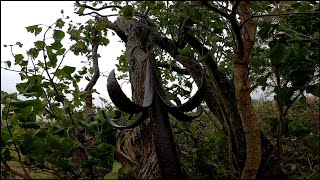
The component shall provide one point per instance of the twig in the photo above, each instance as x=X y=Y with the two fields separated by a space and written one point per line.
x=93 y=12
x=217 y=10
x=97 y=9
x=64 y=55
x=95 y=64
x=13 y=70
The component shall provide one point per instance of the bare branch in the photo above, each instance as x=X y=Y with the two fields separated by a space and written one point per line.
x=94 y=12
x=217 y=10
x=97 y=9
x=95 y=64
x=115 y=28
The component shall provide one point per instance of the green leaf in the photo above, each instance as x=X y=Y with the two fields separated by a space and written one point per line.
x=287 y=54
x=303 y=100
x=19 y=44
x=285 y=95
x=314 y=89
x=41 y=133
x=91 y=70
x=26 y=145
x=52 y=57
x=127 y=12
x=6 y=155
x=58 y=35
x=113 y=174
x=101 y=25
x=80 y=11
x=40 y=45
x=5 y=137
x=297 y=129
x=8 y=63
x=104 y=41
x=68 y=145
x=56 y=45
x=60 y=23
x=61 y=51
x=34 y=29
x=29 y=125
x=262 y=80
x=277 y=53
x=18 y=58
x=54 y=142
x=65 y=71
x=37 y=31
x=24 y=63
x=34 y=52
x=39 y=146
x=24 y=104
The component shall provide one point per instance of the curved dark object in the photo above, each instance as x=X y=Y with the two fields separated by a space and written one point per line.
x=120 y=100
x=192 y=103
x=156 y=107
x=195 y=100
x=180 y=116
x=133 y=125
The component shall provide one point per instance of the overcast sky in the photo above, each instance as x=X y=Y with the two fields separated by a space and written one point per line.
x=15 y=16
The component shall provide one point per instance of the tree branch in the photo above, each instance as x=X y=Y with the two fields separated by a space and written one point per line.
x=217 y=10
x=97 y=9
x=234 y=8
x=174 y=68
x=95 y=64
x=166 y=44
x=115 y=28
x=234 y=25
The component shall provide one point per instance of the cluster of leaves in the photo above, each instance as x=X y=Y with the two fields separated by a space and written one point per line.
x=44 y=125
x=288 y=49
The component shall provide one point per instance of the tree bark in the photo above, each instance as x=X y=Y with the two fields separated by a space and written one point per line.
x=138 y=143
x=241 y=63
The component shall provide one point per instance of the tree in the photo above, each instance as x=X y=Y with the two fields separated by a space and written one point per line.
x=183 y=39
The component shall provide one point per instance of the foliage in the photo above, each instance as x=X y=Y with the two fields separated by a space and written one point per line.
x=47 y=129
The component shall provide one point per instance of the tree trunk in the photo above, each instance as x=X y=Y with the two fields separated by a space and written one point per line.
x=245 y=40
x=138 y=143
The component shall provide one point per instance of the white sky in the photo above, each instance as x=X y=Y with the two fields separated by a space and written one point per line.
x=16 y=15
